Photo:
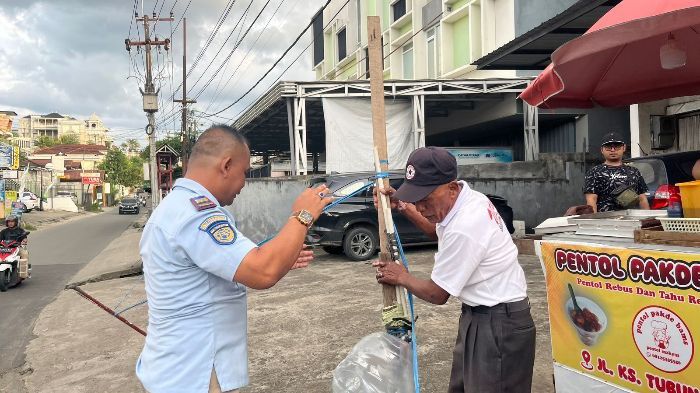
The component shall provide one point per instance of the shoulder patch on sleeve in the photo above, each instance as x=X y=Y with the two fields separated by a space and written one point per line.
x=212 y=220
x=222 y=233
x=202 y=203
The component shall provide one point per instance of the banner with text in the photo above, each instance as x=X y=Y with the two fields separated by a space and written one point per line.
x=635 y=319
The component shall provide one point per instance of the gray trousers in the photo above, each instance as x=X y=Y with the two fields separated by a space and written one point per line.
x=495 y=349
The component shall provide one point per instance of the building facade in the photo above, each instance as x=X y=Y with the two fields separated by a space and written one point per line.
x=54 y=125
x=448 y=40
x=422 y=39
x=6 y=118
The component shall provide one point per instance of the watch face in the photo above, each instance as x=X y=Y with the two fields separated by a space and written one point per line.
x=306 y=217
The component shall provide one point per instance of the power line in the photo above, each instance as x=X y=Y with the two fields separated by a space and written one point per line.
x=233 y=50
x=297 y=58
x=159 y=12
x=224 y=14
x=219 y=89
x=183 y=15
x=215 y=31
x=156 y=5
x=296 y=40
x=273 y=82
x=218 y=85
x=131 y=18
x=224 y=43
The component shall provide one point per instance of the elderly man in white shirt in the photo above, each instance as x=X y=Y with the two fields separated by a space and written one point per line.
x=477 y=262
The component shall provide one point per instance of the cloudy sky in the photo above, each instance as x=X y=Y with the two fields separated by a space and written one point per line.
x=68 y=56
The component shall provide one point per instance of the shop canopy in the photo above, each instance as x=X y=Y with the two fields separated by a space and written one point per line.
x=640 y=51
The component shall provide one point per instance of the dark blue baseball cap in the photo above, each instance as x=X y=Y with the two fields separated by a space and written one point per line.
x=427 y=168
x=612 y=137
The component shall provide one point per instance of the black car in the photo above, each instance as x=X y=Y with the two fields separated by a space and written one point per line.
x=129 y=205
x=351 y=227
x=663 y=170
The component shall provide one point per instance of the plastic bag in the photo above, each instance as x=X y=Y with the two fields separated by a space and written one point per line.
x=379 y=363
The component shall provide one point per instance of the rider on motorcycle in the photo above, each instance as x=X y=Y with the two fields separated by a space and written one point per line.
x=14 y=232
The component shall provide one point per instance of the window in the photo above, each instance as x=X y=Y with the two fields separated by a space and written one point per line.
x=342 y=44
x=433 y=53
x=350 y=188
x=407 y=59
x=318 y=38
x=398 y=10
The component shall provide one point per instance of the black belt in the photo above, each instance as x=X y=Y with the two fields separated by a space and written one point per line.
x=501 y=308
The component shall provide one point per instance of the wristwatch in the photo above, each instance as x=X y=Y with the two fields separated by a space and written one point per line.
x=304 y=217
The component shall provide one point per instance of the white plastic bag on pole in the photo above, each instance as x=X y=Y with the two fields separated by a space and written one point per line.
x=379 y=363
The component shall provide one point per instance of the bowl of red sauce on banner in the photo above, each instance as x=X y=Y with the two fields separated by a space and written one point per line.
x=590 y=322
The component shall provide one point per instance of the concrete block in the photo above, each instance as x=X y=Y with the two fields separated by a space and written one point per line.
x=526 y=245
x=519 y=226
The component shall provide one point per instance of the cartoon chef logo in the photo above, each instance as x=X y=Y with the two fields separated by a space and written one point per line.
x=663 y=339
x=660 y=334
x=410 y=172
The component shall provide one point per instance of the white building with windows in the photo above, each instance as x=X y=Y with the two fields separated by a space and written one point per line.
x=438 y=39
x=54 y=125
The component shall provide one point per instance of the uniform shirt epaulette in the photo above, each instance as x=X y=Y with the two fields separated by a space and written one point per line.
x=202 y=203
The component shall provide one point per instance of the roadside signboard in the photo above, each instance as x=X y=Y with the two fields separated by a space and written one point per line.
x=91 y=178
x=10 y=196
x=17 y=209
x=15 y=158
x=637 y=324
x=2 y=197
x=479 y=155
x=6 y=156
x=10 y=174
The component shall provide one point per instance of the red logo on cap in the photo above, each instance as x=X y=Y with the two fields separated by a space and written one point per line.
x=410 y=172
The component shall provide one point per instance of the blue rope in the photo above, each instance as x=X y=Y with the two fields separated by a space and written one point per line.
x=130 y=307
x=340 y=200
x=414 y=344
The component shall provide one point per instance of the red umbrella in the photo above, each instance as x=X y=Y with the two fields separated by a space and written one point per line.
x=640 y=51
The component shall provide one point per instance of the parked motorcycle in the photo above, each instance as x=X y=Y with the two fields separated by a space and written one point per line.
x=10 y=274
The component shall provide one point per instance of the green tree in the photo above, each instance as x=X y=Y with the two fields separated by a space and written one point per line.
x=133 y=145
x=115 y=166
x=44 y=141
x=68 y=139
x=133 y=174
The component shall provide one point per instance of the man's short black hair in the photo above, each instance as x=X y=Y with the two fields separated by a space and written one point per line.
x=209 y=142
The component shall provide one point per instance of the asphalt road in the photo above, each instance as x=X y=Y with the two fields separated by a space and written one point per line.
x=56 y=254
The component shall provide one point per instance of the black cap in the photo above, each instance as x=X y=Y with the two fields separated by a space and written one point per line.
x=612 y=137
x=427 y=168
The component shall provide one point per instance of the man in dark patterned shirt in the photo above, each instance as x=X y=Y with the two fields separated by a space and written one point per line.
x=604 y=182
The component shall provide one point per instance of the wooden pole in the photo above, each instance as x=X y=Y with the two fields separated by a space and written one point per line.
x=376 y=82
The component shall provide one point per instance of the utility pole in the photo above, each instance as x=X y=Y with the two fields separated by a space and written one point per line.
x=184 y=101
x=150 y=97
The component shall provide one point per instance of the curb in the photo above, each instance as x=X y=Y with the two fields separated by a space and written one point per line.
x=104 y=266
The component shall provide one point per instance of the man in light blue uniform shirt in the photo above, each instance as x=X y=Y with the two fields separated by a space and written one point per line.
x=197 y=266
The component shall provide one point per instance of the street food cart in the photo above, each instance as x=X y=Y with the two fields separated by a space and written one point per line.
x=624 y=296
x=624 y=304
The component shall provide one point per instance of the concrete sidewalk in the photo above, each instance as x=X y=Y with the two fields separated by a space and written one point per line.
x=293 y=345
x=42 y=219
x=119 y=259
